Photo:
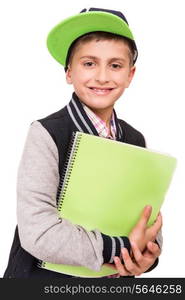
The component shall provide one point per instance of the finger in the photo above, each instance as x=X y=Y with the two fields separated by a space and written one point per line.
x=121 y=268
x=130 y=265
x=154 y=249
x=145 y=215
x=157 y=225
x=138 y=257
x=159 y=219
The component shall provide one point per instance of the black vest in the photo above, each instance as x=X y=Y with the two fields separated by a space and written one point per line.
x=61 y=125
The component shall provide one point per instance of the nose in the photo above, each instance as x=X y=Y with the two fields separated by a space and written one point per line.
x=102 y=75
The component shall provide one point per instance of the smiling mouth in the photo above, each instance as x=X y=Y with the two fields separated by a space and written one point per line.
x=100 y=89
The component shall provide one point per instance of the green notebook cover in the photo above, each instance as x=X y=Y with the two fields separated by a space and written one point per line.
x=106 y=185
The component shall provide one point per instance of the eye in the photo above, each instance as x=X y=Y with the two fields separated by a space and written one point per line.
x=116 y=66
x=88 y=64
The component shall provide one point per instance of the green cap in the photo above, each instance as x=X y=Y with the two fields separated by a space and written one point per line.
x=65 y=33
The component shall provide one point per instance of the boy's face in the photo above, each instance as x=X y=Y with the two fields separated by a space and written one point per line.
x=100 y=72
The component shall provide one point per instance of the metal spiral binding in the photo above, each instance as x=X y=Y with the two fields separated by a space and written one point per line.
x=68 y=166
x=41 y=263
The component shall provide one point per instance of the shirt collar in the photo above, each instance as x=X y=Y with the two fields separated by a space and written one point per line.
x=83 y=123
x=100 y=125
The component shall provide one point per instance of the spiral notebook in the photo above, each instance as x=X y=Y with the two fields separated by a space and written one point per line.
x=105 y=186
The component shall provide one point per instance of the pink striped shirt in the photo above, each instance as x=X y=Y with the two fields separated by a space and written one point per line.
x=100 y=125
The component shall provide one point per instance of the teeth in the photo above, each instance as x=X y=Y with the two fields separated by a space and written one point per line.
x=101 y=90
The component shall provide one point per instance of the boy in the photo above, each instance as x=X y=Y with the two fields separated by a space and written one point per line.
x=98 y=51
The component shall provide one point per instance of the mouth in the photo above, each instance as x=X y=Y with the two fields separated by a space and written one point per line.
x=101 y=91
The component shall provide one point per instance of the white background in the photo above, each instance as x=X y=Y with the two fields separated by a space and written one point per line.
x=33 y=86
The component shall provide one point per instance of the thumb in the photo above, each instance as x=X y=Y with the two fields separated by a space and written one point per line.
x=145 y=216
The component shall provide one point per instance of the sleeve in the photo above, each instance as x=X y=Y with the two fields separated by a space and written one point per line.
x=141 y=141
x=42 y=233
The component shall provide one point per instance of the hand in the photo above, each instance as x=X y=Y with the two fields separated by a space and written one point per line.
x=141 y=234
x=140 y=262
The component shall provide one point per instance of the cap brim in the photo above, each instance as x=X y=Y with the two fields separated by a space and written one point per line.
x=61 y=36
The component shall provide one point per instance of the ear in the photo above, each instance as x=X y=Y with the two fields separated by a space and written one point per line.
x=68 y=75
x=130 y=75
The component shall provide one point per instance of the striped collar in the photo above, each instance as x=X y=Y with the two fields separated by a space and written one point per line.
x=82 y=121
x=100 y=125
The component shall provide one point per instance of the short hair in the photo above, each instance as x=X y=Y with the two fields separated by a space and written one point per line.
x=99 y=35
